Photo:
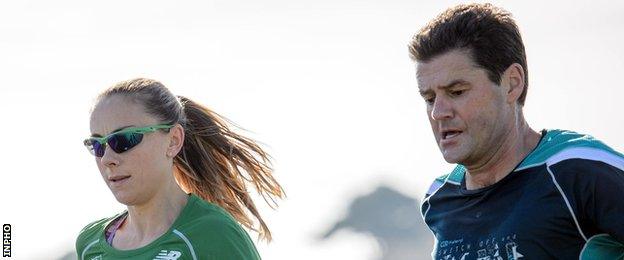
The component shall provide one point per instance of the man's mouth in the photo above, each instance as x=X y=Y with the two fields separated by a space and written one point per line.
x=450 y=134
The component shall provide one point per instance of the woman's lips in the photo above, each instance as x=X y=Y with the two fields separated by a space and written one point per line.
x=118 y=180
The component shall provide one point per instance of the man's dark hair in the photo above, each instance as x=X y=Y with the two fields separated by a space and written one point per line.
x=488 y=32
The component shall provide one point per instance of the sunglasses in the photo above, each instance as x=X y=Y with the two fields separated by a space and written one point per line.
x=120 y=141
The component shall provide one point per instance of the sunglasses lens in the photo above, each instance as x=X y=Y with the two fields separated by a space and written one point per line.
x=124 y=141
x=98 y=149
x=95 y=147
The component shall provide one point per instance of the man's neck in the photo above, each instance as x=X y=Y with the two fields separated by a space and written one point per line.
x=516 y=145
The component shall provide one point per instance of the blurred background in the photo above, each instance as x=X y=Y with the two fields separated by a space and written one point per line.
x=327 y=86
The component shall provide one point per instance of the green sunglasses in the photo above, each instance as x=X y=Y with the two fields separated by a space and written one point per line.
x=120 y=141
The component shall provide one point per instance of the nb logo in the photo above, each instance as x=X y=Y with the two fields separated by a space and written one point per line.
x=172 y=255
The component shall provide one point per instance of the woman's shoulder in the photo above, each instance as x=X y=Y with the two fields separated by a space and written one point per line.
x=203 y=214
x=216 y=232
x=92 y=231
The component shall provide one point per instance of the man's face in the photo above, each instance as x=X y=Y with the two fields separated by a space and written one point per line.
x=466 y=110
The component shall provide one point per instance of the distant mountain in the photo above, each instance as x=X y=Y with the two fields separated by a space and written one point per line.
x=393 y=219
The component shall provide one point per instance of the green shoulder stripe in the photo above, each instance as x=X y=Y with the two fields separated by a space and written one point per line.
x=602 y=246
x=442 y=178
x=556 y=141
x=457 y=175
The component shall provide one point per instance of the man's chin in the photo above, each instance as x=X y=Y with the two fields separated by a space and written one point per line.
x=451 y=161
x=452 y=157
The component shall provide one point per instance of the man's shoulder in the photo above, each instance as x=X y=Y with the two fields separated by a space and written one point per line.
x=561 y=145
x=454 y=178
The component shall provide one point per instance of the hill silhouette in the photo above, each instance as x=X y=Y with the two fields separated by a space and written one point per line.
x=393 y=219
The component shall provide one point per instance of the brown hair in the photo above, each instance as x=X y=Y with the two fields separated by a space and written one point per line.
x=215 y=163
x=488 y=32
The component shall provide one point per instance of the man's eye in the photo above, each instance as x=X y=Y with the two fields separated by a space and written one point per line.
x=456 y=93
x=429 y=100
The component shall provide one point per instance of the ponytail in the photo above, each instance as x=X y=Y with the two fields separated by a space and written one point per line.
x=216 y=164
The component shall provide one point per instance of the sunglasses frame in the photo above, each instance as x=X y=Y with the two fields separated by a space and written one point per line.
x=134 y=130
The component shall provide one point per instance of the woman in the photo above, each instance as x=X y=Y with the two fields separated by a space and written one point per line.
x=181 y=172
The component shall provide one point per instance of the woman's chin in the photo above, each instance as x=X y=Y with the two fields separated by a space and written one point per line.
x=125 y=198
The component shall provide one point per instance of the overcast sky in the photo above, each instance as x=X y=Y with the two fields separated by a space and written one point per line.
x=327 y=86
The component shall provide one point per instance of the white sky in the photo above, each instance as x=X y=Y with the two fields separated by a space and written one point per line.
x=327 y=85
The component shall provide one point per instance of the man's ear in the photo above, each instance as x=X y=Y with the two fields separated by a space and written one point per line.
x=176 y=140
x=514 y=76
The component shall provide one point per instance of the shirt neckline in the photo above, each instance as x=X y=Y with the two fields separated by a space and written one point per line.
x=464 y=191
x=192 y=198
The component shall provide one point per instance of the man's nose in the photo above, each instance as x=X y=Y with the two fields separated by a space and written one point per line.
x=441 y=109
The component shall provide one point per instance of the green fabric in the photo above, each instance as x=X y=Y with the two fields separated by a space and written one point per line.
x=558 y=140
x=201 y=231
x=602 y=247
x=457 y=175
x=442 y=178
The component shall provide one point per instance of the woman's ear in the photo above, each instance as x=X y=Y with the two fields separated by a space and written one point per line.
x=176 y=140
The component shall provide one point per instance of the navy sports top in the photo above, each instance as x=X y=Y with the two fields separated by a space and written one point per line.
x=565 y=200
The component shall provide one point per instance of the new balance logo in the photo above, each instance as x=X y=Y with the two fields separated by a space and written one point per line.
x=172 y=255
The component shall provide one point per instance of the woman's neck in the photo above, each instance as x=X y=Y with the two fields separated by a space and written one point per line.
x=148 y=221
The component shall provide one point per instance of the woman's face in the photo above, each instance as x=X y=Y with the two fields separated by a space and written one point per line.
x=136 y=175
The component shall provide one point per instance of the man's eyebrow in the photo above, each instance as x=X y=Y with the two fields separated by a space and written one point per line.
x=116 y=130
x=450 y=85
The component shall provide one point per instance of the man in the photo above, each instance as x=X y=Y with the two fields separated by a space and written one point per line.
x=516 y=193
